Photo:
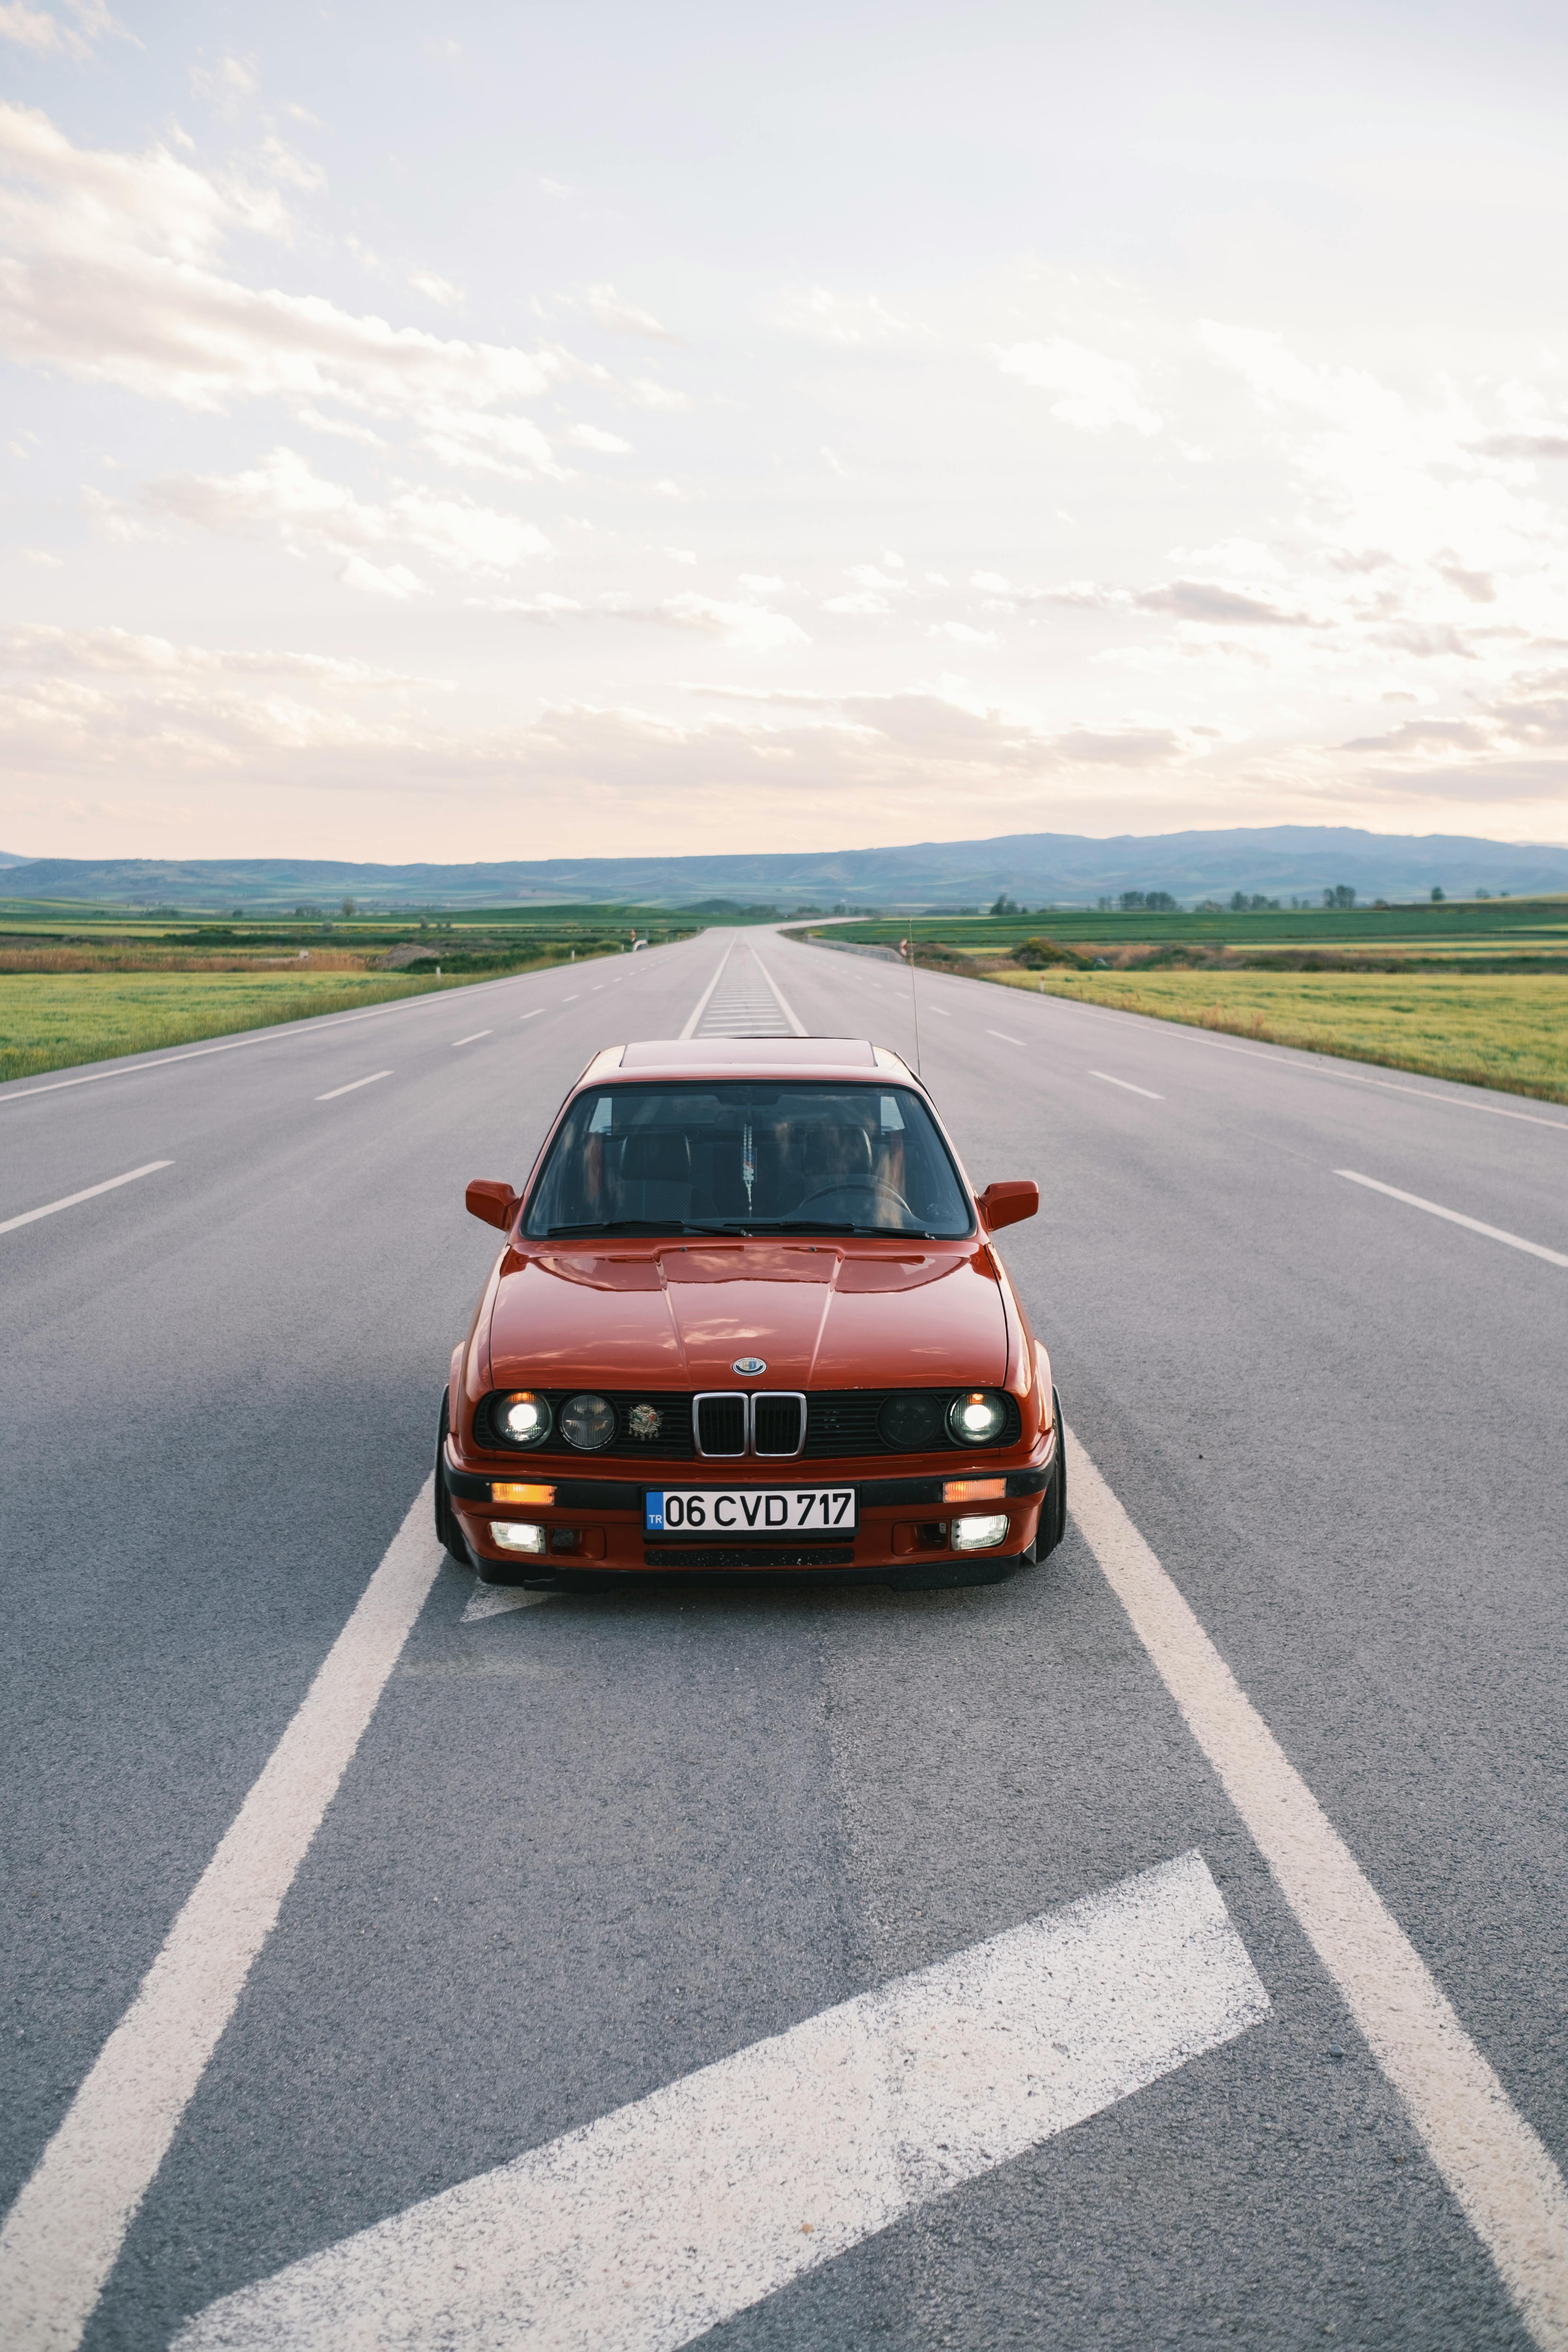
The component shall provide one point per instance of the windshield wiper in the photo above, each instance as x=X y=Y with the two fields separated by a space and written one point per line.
x=637 y=1225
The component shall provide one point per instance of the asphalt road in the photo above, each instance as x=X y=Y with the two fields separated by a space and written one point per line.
x=588 y=1846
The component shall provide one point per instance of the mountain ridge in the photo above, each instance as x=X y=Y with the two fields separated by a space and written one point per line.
x=1045 y=867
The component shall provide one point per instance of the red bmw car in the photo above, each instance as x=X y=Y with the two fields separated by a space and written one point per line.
x=749 y=1316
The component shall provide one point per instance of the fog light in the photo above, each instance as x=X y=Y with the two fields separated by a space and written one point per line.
x=517 y=1535
x=979 y=1534
x=511 y=1490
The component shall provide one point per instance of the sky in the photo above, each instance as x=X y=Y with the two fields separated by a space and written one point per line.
x=520 y=431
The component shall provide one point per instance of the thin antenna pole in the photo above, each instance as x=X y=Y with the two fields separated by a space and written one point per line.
x=914 y=993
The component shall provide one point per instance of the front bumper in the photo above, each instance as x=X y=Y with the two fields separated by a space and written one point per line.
x=594 y=1528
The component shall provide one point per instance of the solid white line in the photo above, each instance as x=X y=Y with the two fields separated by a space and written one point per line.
x=1132 y=1090
x=353 y=1087
x=31 y=1216
x=472 y=1038
x=703 y=1000
x=63 y=2234
x=1003 y=1035
x=1505 y=2181
x=658 y=2222
x=1413 y=1201
x=785 y=1007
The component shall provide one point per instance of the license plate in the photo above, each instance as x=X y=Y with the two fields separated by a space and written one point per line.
x=733 y=1511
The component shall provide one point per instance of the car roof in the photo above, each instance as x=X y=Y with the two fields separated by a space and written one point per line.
x=816 y=1058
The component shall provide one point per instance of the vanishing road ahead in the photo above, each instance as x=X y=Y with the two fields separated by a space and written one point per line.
x=422 y=1898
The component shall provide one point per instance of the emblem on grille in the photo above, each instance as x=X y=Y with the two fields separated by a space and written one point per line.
x=749 y=1365
x=643 y=1421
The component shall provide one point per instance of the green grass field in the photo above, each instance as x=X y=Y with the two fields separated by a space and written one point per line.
x=51 y=1019
x=1494 y=1029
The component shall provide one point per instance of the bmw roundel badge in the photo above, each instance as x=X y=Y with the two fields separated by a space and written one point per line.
x=750 y=1365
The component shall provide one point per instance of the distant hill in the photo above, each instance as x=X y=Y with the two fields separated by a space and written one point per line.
x=1036 y=868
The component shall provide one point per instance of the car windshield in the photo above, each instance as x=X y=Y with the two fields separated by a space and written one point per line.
x=749 y=1156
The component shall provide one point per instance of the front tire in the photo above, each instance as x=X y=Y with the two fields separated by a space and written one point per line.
x=448 y=1532
x=1049 y=1535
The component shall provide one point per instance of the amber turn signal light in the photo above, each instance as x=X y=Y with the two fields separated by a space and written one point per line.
x=507 y=1490
x=967 y=1490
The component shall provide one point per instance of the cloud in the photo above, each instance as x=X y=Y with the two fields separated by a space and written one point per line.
x=606 y=306
x=750 y=628
x=296 y=171
x=113 y=276
x=45 y=648
x=647 y=393
x=37 y=30
x=1096 y=392
x=284 y=497
x=226 y=85
x=593 y=436
x=963 y=634
x=1202 y=600
x=826 y=317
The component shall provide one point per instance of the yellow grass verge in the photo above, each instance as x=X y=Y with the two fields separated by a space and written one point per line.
x=49 y=1021
x=1495 y=1029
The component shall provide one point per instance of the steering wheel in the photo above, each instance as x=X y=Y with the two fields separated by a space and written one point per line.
x=857 y=1184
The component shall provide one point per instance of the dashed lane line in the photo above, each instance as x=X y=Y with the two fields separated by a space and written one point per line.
x=1147 y=1092
x=90 y=1193
x=1496 y=2166
x=1453 y=1217
x=533 y=1015
x=353 y=1087
x=661 y=2220
x=472 y=1038
x=63 y=2234
x=1285 y=1058
x=1006 y=1040
x=291 y=1033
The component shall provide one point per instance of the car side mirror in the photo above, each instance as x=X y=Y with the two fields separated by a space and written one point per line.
x=491 y=1202
x=1008 y=1204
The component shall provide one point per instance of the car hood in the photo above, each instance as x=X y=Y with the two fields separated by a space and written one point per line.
x=827 y=1315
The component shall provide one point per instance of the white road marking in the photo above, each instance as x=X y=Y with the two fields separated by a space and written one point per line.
x=1148 y=1095
x=533 y=1015
x=1415 y=1200
x=490 y=1600
x=1286 y=1057
x=472 y=1038
x=1504 y=2179
x=658 y=2222
x=353 y=1086
x=62 y=2236
x=703 y=1000
x=1005 y=1038
x=938 y=1011
x=90 y=1192
x=785 y=1007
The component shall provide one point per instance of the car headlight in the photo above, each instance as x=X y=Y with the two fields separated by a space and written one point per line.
x=521 y=1419
x=977 y=1416
x=910 y=1424
x=588 y=1422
